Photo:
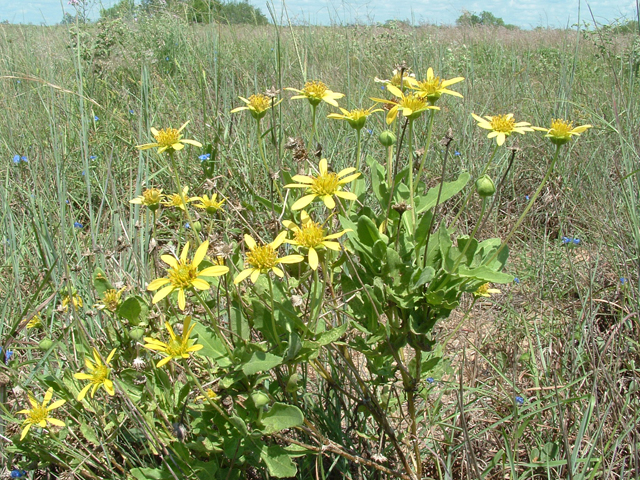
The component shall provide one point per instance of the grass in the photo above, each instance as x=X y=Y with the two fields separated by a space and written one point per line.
x=563 y=339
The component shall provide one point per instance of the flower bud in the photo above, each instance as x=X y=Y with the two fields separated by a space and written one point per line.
x=45 y=344
x=387 y=138
x=485 y=186
x=260 y=399
x=136 y=333
x=197 y=226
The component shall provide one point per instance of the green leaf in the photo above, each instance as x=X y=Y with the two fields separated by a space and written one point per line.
x=334 y=334
x=280 y=417
x=212 y=345
x=278 y=462
x=485 y=274
x=261 y=362
x=449 y=189
x=134 y=309
x=100 y=282
x=426 y=276
x=367 y=231
x=151 y=473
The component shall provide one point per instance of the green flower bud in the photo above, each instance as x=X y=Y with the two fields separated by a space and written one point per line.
x=260 y=399
x=136 y=333
x=45 y=344
x=387 y=138
x=292 y=383
x=197 y=226
x=485 y=186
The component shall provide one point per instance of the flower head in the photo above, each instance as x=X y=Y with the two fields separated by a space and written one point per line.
x=39 y=413
x=73 y=299
x=178 y=200
x=168 y=139
x=324 y=185
x=311 y=235
x=395 y=79
x=485 y=291
x=561 y=131
x=433 y=87
x=110 y=299
x=35 y=322
x=183 y=275
x=264 y=258
x=150 y=198
x=209 y=205
x=411 y=105
x=317 y=92
x=98 y=376
x=502 y=126
x=257 y=105
x=178 y=347
x=356 y=118
x=204 y=156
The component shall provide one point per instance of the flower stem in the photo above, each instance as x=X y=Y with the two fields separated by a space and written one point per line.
x=214 y=322
x=313 y=127
x=182 y=196
x=411 y=186
x=273 y=312
x=264 y=162
x=358 y=147
x=426 y=148
x=528 y=207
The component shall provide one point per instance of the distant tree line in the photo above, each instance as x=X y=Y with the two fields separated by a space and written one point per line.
x=485 y=18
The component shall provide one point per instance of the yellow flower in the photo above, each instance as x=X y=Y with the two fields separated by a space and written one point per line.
x=210 y=395
x=263 y=258
x=168 y=139
x=316 y=92
x=356 y=118
x=433 y=87
x=183 y=275
x=257 y=105
x=561 y=131
x=412 y=105
x=395 y=79
x=99 y=375
x=110 y=299
x=177 y=200
x=35 y=322
x=324 y=185
x=485 y=291
x=502 y=126
x=210 y=205
x=150 y=198
x=178 y=347
x=74 y=299
x=39 y=413
x=311 y=235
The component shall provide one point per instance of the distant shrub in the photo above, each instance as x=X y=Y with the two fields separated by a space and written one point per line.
x=485 y=18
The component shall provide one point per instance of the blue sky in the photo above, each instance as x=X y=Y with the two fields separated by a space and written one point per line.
x=524 y=13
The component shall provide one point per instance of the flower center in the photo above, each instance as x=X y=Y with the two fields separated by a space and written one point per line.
x=176 y=348
x=167 y=137
x=175 y=200
x=314 y=89
x=38 y=414
x=111 y=299
x=482 y=289
x=259 y=102
x=326 y=184
x=395 y=80
x=413 y=102
x=501 y=123
x=183 y=275
x=310 y=236
x=100 y=374
x=560 y=128
x=262 y=258
x=151 y=196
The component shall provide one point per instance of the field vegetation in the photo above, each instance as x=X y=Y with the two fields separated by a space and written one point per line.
x=203 y=277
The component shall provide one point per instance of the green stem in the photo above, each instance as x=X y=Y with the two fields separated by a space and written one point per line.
x=273 y=312
x=528 y=207
x=389 y=164
x=264 y=162
x=466 y=200
x=427 y=146
x=358 y=147
x=313 y=127
x=181 y=193
x=411 y=187
x=214 y=322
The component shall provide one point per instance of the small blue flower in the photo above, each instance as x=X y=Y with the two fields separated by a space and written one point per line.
x=77 y=224
x=96 y=118
x=7 y=356
x=186 y=225
x=430 y=380
x=67 y=201
x=457 y=153
x=93 y=157
x=566 y=240
x=16 y=159
x=166 y=58
x=18 y=473
x=519 y=400
x=576 y=241
x=526 y=197
x=369 y=131
x=18 y=81
x=82 y=173
x=516 y=280
x=623 y=280
x=131 y=112
x=204 y=156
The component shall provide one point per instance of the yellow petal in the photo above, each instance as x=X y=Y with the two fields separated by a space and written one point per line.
x=250 y=242
x=329 y=201
x=182 y=301
x=242 y=275
x=164 y=361
x=279 y=240
x=56 y=422
x=160 y=294
x=200 y=284
x=83 y=392
x=277 y=271
x=313 y=259
x=291 y=259
x=157 y=283
x=254 y=275
x=303 y=202
x=215 y=271
x=200 y=253
x=185 y=252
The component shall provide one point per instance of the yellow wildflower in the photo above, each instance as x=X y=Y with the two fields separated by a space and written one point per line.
x=35 y=322
x=74 y=299
x=211 y=395
x=150 y=198
x=485 y=291
x=324 y=185
x=110 y=299
x=356 y=118
x=39 y=413
x=257 y=105
x=433 y=87
x=210 y=205
x=168 y=139
x=178 y=347
x=411 y=105
x=99 y=375
x=502 y=126
x=395 y=79
x=311 y=235
x=177 y=200
x=264 y=258
x=561 y=131
x=183 y=275
x=317 y=92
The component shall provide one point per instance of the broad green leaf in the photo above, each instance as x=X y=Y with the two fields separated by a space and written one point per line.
x=100 y=282
x=280 y=417
x=212 y=345
x=134 y=309
x=278 y=462
x=449 y=189
x=261 y=362
x=334 y=334
x=485 y=274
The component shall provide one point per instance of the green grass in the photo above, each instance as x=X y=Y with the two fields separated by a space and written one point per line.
x=565 y=338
